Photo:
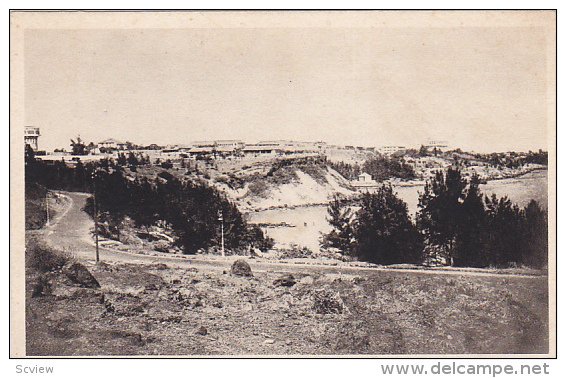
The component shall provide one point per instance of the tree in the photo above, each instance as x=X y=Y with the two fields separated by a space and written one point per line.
x=132 y=159
x=535 y=236
x=167 y=164
x=29 y=158
x=505 y=227
x=470 y=237
x=122 y=160
x=340 y=217
x=382 y=168
x=440 y=212
x=384 y=232
x=78 y=147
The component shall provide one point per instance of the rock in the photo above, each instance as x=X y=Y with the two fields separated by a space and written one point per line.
x=150 y=287
x=41 y=286
x=159 y=266
x=78 y=274
x=132 y=337
x=307 y=280
x=286 y=280
x=269 y=341
x=162 y=246
x=202 y=331
x=241 y=268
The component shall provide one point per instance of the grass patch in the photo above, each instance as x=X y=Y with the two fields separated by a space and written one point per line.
x=41 y=258
x=35 y=212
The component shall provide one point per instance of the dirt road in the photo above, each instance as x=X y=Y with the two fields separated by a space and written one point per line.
x=71 y=231
x=146 y=309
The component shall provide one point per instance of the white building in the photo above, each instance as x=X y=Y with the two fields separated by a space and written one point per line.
x=203 y=143
x=233 y=144
x=389 y=150
x=431 y=144
x=112 y=144
x=31 y=136
x=364 y=182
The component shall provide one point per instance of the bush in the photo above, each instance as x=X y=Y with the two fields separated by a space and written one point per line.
x=296 y=252
x=383 y=168
x=326 y=301
x=167 y=164
x=257 y=188
x=35 y=212
x=43 y=259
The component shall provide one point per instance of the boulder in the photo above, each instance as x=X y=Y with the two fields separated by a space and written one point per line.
x=80 y=275
x=286 y=280
x=162 y=246
x=307 y=280
x=202 y=331
x=241 y=268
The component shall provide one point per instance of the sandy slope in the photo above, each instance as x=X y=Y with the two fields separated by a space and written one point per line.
x=304 y=191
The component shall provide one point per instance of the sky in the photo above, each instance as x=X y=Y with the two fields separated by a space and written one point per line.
x=481 y=89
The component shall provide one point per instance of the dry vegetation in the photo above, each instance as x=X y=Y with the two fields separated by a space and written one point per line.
x=163 y=310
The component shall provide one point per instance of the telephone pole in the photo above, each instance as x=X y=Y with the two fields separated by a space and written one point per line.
x=95 y=214
x=221 y=219
x=47 y=207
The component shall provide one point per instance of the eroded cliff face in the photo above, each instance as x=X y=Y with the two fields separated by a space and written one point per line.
x=297 y=186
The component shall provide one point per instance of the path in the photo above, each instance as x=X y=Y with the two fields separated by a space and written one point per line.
x=71 y=232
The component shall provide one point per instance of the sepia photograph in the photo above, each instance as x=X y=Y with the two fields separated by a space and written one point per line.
x=283 y=183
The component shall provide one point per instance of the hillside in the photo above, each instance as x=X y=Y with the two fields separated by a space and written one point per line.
x=289 y=183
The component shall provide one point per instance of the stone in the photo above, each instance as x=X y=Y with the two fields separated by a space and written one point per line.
x=80 y=275
x=202 y=331
x=286 y=280
x=307 y=280
x=241 y=268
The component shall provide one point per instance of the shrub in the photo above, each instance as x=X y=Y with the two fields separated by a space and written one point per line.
x=43 y=259
x=326 y=301
x=257 y=188
x=35 y=211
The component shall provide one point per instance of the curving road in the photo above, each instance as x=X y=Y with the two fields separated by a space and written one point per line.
x=71 y=231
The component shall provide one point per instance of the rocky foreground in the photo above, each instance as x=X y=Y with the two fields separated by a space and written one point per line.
x=128 y=309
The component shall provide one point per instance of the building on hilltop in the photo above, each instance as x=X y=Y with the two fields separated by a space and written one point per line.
x=112 y=144
x=234 y=144
x=258 y=149
x=31 y=136
x=294 y=147
x=203 y=143
x=431 y=144
x=390 y=150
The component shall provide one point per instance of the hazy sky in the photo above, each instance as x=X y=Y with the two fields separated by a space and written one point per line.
x=479 y=88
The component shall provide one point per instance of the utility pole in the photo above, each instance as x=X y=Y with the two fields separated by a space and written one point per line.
x=95 y=214
x=47 y=207
x=221 y=219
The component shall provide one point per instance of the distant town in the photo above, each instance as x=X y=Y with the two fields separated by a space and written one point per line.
x=217 y=148
x=424 y=159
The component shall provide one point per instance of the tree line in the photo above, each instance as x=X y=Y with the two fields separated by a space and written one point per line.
x=455 y=225
x=379 y=167
x=514 y=159
x=193 y=210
